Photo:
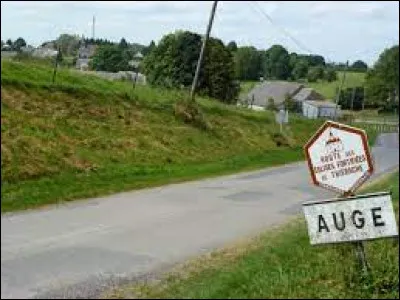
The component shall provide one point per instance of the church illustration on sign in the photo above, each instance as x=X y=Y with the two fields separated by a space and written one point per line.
x=333 y=144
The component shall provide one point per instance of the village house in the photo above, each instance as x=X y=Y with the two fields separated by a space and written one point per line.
x=85 y=53
x=320 y=109
x=309 y=103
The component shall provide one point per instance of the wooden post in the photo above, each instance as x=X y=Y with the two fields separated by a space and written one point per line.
x=340 y=89
x=352 y=98
x=56 y=65
x=196 y=74
x=359 y=248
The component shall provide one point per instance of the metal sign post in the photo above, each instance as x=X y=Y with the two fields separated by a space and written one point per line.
x=339 y=159
x=351 y=219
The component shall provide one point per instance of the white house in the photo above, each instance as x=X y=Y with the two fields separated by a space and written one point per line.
x=320 y=109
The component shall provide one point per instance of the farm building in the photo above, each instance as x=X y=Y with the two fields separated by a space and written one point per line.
x=278 y=90
x=320 y=109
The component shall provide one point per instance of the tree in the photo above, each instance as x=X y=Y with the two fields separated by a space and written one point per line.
x=382 y=81
x=110 y=58
x=68 y=43
x=289 y=104
x=19 y=43
x=359 y=65
x=315 y=73
x=346 y=98
x=123 y=44
x=149 y=48
x=300 y=69
x=330 y=75
x=313 y=60
x=276 y=65
x=232 y=46
x=247 y=63
x=172 y=63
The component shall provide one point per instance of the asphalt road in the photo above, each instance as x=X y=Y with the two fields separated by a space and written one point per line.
x=78 y=249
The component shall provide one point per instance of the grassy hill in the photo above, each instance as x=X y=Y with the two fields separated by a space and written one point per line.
x=85 y=136
x=328 y=89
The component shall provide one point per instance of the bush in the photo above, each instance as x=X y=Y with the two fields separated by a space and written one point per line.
x=330 y=75
x=271 y=104
x=280 y=139
x=190 y=113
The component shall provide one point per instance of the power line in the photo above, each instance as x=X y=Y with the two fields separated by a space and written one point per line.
x=284 y=31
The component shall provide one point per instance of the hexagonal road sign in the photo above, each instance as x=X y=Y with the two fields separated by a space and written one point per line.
x=338 y=157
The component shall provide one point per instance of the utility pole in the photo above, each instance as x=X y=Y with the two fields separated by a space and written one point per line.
x=352 y=98
x=203 y=46
x=56 y=64
x=340 y=89
x=364 y=97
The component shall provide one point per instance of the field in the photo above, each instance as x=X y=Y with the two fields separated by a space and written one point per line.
x=281 y=264
x=246 y=86
x=328 y=89
x=84 y=136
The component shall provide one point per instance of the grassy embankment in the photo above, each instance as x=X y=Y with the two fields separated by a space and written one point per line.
x=281 y=264
x=85 y=136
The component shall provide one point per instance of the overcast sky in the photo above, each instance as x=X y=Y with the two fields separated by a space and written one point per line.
x=336 y=30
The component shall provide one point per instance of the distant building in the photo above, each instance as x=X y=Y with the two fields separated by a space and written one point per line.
x=28 y=49
x=43 y=52
x=277 y=90
x=85 y=53
x=137 y=58
x=258 y=97
x=320 y=109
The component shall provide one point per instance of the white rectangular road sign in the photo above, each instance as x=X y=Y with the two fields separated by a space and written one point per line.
x=356 y=218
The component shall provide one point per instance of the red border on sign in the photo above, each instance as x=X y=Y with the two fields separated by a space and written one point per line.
x=348 y=129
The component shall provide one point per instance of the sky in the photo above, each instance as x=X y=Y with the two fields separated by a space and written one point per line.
x=339 y=31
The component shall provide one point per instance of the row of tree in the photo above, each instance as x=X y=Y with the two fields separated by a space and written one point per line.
x=13 y=45
x=277 y=63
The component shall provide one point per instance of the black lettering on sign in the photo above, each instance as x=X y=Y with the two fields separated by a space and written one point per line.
x=343 y=225
x=322 y=224
x=375 y=217
x=361 y=220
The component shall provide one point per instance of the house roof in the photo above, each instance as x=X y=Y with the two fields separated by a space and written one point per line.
x=275 y=89
x=321 y=103
x=307 y=94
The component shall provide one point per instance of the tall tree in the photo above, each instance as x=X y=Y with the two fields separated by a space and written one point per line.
x=172 y=63
x=315 y=73
x=382 y=81
x=110 y=58
x=247 y=63
x=232 y=46
x=123 y=44
x=149 y=48
x=19 y=43
x=276 y=64
x=68 y=44
x=300 y=69
x=359 y=65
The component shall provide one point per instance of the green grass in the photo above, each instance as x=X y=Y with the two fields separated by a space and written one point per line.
x=246 y=86
x=328 y=89
x=84 y=136
x=282 y=264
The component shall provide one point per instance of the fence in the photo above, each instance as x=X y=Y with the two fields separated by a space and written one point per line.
x=379 y=125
